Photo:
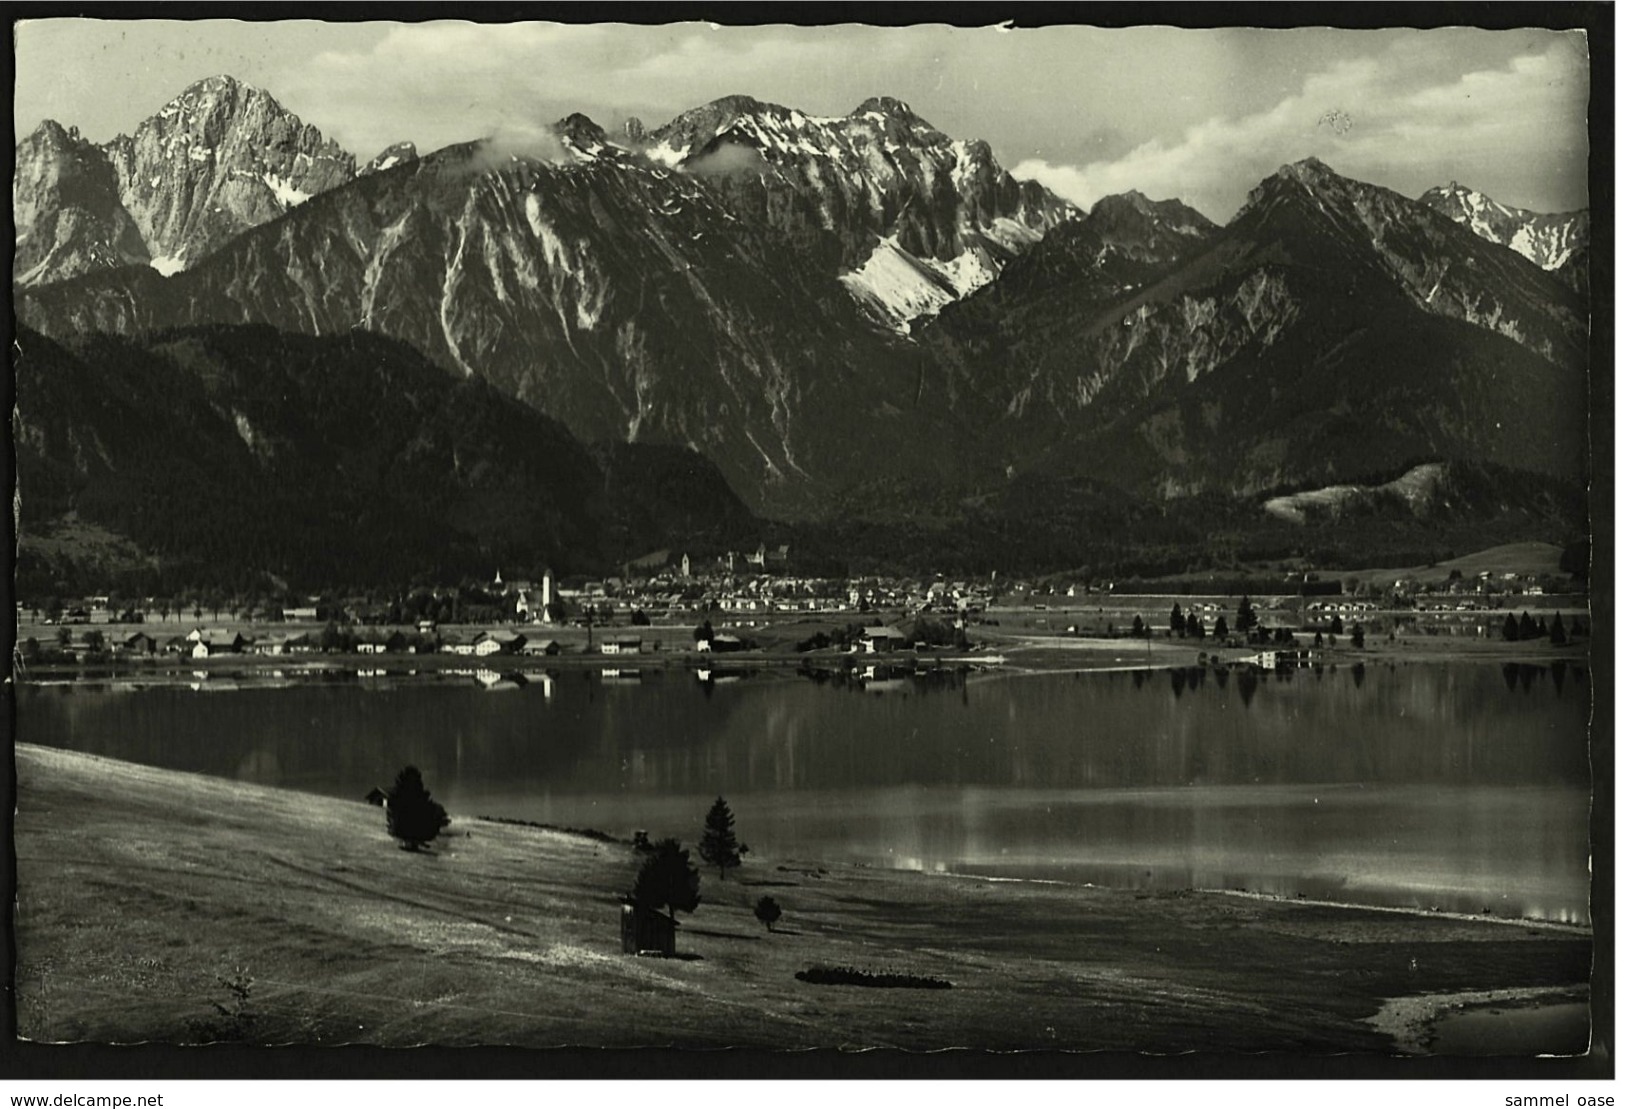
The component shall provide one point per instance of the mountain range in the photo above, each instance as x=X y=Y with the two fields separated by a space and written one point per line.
x=1559 y=242
x=818 y=306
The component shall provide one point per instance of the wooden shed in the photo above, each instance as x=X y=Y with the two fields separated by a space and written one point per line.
x=646 y=932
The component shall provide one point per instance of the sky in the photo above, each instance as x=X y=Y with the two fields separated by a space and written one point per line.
x=1199 y=114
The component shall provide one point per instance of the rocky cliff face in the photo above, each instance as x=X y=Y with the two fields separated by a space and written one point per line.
x=914 y=218
x=1552 y=242
x=65 y=201
x=217 y=160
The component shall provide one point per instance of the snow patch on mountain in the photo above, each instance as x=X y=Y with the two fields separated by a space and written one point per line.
x=286 y=194
x=168 y=264
x=897 y=287
x=1549 y=241
x=666 y=154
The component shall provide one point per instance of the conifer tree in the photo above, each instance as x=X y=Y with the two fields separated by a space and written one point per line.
x=1559 y=636
x=1509 y=630
x=1176 y=621
x=1246 y=618
x=718 y=845
x=413 y=816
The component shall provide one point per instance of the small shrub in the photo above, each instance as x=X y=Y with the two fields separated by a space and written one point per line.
x=768 y=912
x=233 y=1020
x=886 y=980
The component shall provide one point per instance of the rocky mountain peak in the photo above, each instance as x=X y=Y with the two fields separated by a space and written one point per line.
x=66 y=208
x=216 y=160
x=581 y=130
x=1308 y=177
x=388 y=158
x=739 y=103
x=1119 y=205
x=1551 y=241
x=53 y=135
x=220 y=82
x=887 y=106
x=1134 y=207
x=213 y=100
x=710 y=119
x=1310 y=171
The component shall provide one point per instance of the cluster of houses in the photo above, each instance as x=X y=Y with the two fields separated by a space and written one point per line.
x=675 y=595
x=212 y=642
x=1340 y=608
x=202 y=643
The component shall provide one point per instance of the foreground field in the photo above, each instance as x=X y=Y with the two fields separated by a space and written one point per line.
x=139 y=889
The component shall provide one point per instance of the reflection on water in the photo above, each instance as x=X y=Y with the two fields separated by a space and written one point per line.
x=1462 y=787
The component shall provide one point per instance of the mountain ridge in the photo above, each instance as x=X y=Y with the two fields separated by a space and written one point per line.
x=1558 y=242
x=1317 y=277
x=816 y=302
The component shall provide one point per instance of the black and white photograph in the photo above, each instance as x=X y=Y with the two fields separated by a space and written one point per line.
x=1001 y=536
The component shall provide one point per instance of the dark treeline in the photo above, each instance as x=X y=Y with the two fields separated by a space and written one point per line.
x=237 y=458
x=253 y=462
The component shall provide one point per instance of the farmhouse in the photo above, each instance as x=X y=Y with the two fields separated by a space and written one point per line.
x=292 y=643
x=498 y=643
x=140 y=643
x=623 y=645
x=880 y=638
x=210 y=645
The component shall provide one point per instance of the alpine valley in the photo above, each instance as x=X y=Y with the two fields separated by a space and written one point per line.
x=858 y=335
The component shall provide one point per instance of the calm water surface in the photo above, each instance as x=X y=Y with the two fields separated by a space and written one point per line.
x=1462 y=786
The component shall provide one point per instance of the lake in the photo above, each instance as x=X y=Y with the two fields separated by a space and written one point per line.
x=1462 y=787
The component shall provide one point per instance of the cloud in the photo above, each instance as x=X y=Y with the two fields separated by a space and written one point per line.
x=512 y=141
x=1516 y=132
x=728 y=158
x=456 y=80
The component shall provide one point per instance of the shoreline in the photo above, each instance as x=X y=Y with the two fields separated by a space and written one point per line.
x=152 y=882
x=1022 y=656
x=1412 y=1021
